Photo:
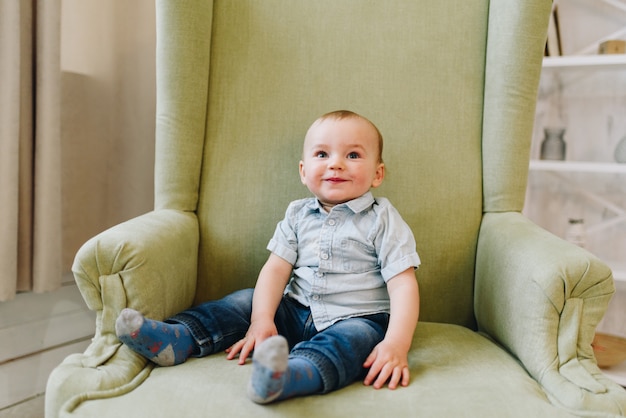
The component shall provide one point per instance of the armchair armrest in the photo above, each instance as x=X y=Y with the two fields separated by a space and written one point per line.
x=148 y=263
x=541 y=298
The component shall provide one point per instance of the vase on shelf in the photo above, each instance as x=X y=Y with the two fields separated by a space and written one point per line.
x=620 y=151
x=575 y=232
x=553 y=144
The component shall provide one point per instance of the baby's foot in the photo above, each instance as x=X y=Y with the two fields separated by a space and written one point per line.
x=269 y=364
x=164 y=344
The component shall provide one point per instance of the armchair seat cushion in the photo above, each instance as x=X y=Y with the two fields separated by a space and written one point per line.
x=451 y=367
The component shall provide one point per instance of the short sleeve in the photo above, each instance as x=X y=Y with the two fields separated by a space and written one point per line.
x=284 y=242
x=395 y=243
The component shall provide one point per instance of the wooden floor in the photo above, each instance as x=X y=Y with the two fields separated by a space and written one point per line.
x=30 y=408
x=37 y=331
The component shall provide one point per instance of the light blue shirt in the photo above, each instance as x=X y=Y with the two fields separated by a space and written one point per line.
x=343 y=259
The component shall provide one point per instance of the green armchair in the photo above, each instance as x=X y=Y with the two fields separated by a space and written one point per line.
x=508 y=310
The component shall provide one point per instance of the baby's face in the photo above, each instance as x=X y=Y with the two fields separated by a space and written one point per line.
x=341 y=160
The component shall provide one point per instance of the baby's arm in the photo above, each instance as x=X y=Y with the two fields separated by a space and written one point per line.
x=267 y=295
x=389 y=359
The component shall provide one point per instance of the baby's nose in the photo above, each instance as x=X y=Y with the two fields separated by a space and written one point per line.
x=335 y=162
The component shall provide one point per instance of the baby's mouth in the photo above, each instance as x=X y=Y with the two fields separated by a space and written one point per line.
x=335 y=180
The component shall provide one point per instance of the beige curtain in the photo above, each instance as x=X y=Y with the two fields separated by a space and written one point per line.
x=30 y=151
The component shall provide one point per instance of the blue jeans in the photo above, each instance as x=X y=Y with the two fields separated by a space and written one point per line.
x=338 y=352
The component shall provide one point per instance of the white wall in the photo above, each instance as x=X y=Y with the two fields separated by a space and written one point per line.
x=108 y=115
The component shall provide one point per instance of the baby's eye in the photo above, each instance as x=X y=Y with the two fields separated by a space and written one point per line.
x=353 y=155
x=321 y=154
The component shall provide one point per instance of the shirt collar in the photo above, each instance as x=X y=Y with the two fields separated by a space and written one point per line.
x=355 y=205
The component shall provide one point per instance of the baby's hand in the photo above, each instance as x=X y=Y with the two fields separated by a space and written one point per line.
x=257 y=333
x=387 y=363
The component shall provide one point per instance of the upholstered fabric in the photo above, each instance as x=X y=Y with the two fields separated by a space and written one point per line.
x=275 y=68
x=452 y=87
x=437 y=390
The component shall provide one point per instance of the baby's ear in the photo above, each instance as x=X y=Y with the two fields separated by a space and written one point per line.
x=379 y=176
x=302 y=174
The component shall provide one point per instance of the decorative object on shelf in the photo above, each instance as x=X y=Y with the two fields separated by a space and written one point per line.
x=553 y=41
x=553 y=145
x=576 y=233
x=610 y=350
x=620 y=151
x=613 y=46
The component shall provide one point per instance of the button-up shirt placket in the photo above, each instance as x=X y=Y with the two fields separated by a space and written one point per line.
x=326 y=252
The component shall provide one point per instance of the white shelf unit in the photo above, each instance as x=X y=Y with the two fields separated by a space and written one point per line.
x=577 y=166
x=557 y=168
x=578 y=82
x=585 y=62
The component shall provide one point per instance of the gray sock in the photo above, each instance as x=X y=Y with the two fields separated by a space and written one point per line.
x=269 y=364
x=163 y=343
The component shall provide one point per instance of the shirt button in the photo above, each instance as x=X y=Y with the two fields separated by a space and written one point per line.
x=324 y=256
x=331 y=222
x=316 y=297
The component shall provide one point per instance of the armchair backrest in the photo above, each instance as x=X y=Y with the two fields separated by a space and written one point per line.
x=451 y=85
